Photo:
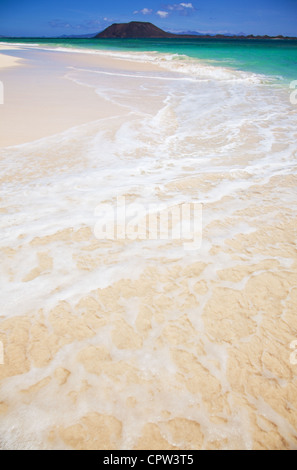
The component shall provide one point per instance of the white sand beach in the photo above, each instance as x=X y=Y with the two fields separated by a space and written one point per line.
x=139 y=343
x=40 y=102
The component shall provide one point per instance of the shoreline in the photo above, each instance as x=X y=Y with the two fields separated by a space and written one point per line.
x=157 y=60
x=24 y=95
x=6 y=60
x=39 y=101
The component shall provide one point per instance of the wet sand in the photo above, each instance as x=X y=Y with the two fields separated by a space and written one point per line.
x=121 y=344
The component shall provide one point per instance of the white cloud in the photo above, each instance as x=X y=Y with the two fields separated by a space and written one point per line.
x=181 y=7
x=144 y=11
x=162 y=14
x=187 y=5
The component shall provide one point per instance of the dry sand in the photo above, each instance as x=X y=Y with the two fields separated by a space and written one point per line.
x=8 y=60
x=39 y=101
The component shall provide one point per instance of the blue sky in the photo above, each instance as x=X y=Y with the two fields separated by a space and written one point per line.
x=58 y=17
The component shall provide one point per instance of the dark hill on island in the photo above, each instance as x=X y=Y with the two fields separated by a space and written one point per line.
x=143 y=30
x=135 y=30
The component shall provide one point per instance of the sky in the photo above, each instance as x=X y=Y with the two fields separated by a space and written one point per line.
x=33 y=18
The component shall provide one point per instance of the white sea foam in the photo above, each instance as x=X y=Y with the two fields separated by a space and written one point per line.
x=179 y=63
x=213 y=135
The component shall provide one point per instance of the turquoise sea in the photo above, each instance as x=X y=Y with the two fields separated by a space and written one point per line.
x=271 y=57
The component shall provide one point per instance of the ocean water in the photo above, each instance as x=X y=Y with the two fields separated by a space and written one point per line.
x=275 y=58
x=131 y=342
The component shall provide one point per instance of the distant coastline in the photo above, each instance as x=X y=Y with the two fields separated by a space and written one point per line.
x=145 y=30
x=178 y=36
